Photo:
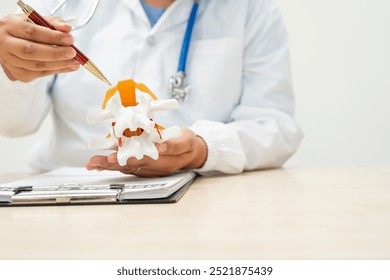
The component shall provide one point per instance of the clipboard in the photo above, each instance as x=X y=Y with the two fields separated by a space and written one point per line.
x=77 y=186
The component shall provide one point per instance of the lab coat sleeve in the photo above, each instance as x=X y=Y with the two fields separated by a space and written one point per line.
x=261 y=132
x=23 y=106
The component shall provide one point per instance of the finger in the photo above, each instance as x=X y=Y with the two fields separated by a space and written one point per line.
x=101 y=163
x=59 y=24
x=8 y=73
x=177 y=146
x=166 y=165
x=38 y=51
x=148 y=173
x=111 y=163
x=113 y=158
x=34 y=65
x=97 y=162
x=157 y=171
x=132 y=162
x=27 y=76
x=137 y=171
x=40 y=34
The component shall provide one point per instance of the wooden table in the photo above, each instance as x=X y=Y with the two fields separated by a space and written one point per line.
x=341 y=213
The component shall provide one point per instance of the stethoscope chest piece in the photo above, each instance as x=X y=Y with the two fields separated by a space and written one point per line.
x=178 y=87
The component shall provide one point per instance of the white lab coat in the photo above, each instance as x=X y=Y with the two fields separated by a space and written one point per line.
x=238 y=68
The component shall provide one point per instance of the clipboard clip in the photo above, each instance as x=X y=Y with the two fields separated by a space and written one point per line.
x=23 y=189
x=7 y=193
x=117 y=186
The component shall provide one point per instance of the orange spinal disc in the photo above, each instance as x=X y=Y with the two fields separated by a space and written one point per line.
x=127 y=92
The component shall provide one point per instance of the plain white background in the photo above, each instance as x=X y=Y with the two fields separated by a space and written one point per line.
x=340 y=53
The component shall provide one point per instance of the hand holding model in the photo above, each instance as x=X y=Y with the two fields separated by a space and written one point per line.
x=187 y=151
x=144 y=148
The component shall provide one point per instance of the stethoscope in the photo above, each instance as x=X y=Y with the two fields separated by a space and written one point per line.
x=178 y=84
x=70 y=19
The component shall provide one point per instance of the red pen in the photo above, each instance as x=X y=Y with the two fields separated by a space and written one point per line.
x=80 y=57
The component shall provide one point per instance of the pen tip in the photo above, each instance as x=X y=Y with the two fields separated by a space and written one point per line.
x=106 y=81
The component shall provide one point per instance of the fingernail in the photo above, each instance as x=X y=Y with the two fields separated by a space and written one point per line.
x=62 y=23
x=162 y=148
x=71 y=53
x=67 y=40
x=75 y=67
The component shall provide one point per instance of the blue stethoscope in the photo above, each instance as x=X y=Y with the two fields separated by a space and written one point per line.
x=178 y=85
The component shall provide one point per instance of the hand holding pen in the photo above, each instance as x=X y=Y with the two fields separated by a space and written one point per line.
x=29 y=51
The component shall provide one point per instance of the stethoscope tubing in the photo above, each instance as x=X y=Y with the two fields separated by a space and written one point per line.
x=187 y=38
x=88 y=18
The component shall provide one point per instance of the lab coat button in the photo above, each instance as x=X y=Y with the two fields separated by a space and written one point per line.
x=151 y=41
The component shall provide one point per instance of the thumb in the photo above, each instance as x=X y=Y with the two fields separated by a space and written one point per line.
x=179 y=145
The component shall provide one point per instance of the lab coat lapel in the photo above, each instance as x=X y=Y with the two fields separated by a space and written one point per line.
x=177 y=13
x=136 y=7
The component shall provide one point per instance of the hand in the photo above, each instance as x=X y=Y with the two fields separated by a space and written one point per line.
x=187 y=151
x=29 y=51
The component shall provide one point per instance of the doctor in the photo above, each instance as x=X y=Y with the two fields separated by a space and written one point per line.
x=238 y=116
